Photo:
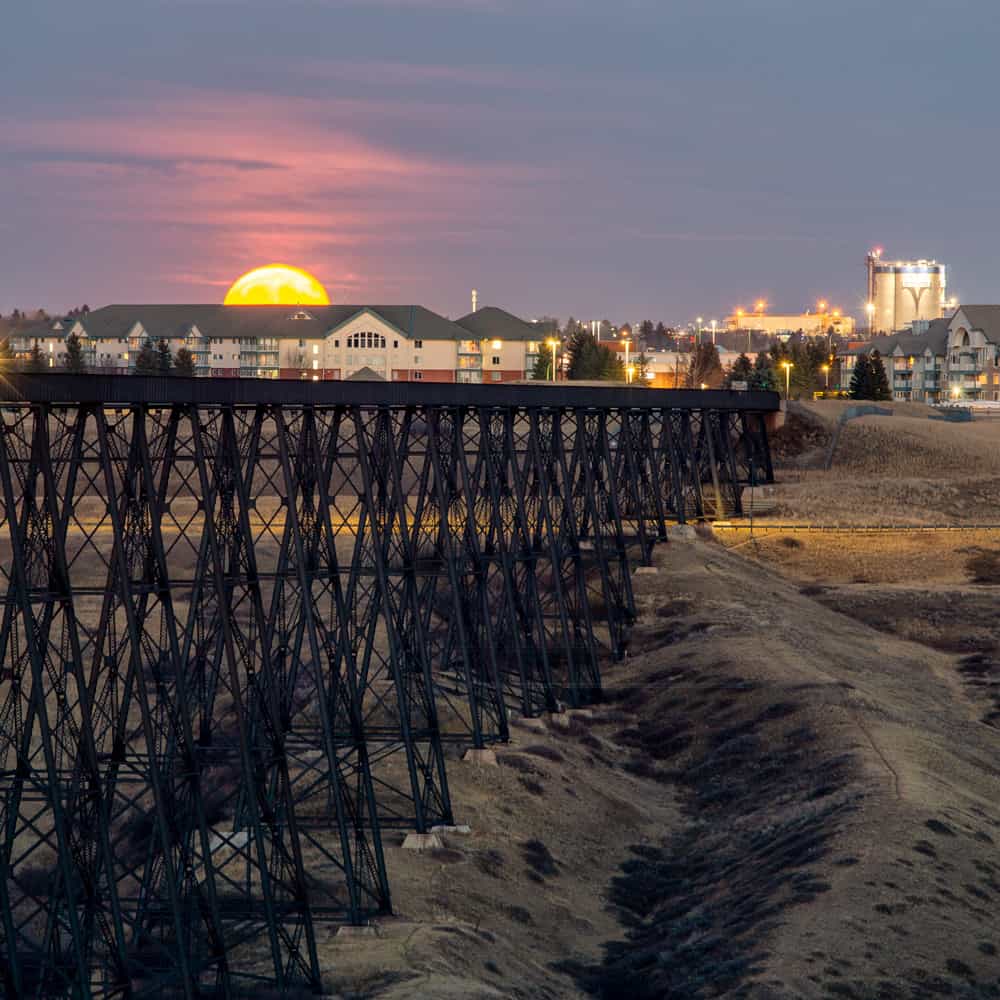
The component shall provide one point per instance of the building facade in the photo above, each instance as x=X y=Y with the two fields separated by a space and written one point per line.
x=817 y=324
x=393 y=343
x=955 y=359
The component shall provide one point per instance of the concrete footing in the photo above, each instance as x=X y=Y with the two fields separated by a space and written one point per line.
x=484 y=757
x=462 y=828
x=646 y=570
x=351 y=931
x=422 y=842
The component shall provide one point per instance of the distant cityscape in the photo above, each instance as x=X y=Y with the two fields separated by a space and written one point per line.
x=934 y=348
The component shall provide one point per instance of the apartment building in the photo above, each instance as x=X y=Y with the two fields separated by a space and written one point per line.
x=402 y=343
x=951 y=359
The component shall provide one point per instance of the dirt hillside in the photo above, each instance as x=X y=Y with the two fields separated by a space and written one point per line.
x=777 y=801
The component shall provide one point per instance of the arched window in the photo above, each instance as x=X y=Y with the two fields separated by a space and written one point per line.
x=366 y=340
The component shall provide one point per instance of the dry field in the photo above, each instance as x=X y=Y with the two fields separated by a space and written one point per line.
x=777 y=801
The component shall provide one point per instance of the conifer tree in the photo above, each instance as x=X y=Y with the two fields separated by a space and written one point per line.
x=6 y=352
x=164 y=361
x=740 y=371
x=764 y=377
x=145 y=360
x=36 y=360
x=861 y=378
x=879 y=379
x=74 y=354
x=183 y=362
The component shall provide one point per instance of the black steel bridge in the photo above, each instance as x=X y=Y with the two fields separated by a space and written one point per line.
x=246 y=623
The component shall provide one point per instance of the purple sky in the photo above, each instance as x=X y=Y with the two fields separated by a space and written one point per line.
x=642 y=158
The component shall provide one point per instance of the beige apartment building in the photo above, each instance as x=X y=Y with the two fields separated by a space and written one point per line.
x=399 y=343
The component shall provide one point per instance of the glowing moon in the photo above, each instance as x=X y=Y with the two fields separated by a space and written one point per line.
x=277 y=285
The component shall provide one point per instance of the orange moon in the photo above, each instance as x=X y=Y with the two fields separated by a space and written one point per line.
x=276 y=285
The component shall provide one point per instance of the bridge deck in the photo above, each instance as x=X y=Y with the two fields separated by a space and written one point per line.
x=66 y=387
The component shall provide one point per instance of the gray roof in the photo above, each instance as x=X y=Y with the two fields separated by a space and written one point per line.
x=365 y=374
x=935 y=338
x=498 y=323
x=985 y=318
x=175 y=321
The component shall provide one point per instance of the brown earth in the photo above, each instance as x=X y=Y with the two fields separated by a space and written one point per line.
x=793 y=788
x=776 y=801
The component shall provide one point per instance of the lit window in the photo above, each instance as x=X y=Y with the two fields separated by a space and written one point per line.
x=315 y=348
x=315 y=365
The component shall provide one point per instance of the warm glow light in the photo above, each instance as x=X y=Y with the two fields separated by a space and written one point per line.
x=760 y=305
x=869 y=307
x=821 y=305
x=836 y=313
x=277 y=285
x=497 y=344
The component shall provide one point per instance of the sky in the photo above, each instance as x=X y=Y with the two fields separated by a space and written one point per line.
x=631 y=159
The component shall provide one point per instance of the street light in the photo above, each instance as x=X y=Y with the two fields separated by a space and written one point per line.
x=714 y=324
x=787 y=365
x=822 y=305
x=870 y=309
x=825 y=369
x=554 y=344
x=700 y=321
x=760 y=305
x=630 y=373
x=626 y=341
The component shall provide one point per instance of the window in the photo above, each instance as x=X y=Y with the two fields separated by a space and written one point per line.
x=416 y=359
x=336 y=343
x=418 y=376
x=302 y=343
x=315 y=348
x=366 y=340
x=495 y=359
x=496 y=376
x=395 y=344
x=315 y=366
x=418 y=345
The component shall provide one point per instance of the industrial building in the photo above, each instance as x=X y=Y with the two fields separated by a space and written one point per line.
x=812 y=324
x=899 y=292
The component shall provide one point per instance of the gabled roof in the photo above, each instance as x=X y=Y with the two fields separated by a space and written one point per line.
x=312 y=322
x=985 y=318
x=491 y=322
x=365 y=374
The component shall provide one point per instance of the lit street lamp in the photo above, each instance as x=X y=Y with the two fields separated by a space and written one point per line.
x=870 y=309
x=826 y=371
x=554 y=344
x=787 y=365
x=700 y=329
x=714 y=324
x=626 y=341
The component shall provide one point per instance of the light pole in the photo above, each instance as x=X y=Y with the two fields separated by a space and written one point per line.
x=870 y=310
x=626 y=341
x=826 y=371
x=700 y=321
x=714 y=324
x=787 y=365
x=554 y=344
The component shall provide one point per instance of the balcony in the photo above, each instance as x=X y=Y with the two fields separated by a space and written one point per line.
x=470 y=363
x=470 y=348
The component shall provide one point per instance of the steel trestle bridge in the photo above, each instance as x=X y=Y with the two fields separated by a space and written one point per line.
x=246 y=623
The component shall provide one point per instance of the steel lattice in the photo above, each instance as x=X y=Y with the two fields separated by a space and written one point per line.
x=241 y=638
